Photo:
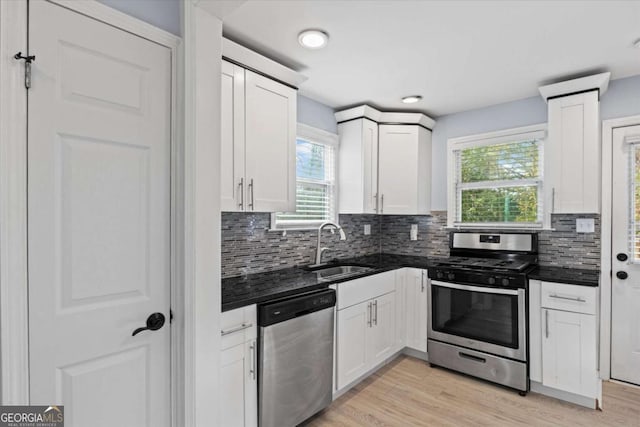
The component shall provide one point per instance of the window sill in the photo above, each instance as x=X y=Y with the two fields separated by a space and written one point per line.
x=498 y=228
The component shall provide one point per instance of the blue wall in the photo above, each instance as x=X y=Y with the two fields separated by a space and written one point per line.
x=622 y=99
x=164 y=14
x=315 y=114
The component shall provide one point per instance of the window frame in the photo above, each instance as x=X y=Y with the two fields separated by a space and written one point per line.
x=319 y=136
x=537 y=132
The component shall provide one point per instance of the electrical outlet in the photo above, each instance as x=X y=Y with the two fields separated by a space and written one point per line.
x=414 y=232
x=367 y=229
x=585 y=225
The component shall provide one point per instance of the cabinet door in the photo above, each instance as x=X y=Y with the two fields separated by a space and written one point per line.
x=270 y=141
x=370 y=165
x=232 y=145
x=569 y=352
x=353 y=328
x=573 y=149
x=416 y=307
x=237 y=379
x=402 y=276
x=383 y=330
x=398 y=169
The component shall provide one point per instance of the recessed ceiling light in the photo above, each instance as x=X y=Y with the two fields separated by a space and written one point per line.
x=411 y=99
x=313 y=39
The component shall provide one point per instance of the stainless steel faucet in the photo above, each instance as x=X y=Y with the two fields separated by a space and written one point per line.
x=320 y=251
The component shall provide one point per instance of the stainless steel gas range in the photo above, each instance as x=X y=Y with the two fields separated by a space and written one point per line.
x=478 y=319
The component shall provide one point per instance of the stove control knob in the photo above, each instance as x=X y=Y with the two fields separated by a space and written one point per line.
x=491 y=281
x=439 y=274
x=451 y=276
x=505 y=282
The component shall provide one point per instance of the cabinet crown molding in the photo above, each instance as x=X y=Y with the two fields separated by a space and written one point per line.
x=366 y=111
x=253 y=60
x=582 y=84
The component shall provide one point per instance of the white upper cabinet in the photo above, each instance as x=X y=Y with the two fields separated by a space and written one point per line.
x=232 y=144
x=270 y=109
x=358 y=166
x=572 y=150
x=384 y=168
x=258 y=142
x=404 y=171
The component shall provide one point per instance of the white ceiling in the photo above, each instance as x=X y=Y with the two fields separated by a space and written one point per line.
x=458 y=55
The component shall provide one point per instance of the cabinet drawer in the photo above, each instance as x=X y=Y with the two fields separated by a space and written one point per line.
x=238 y=326
x=560 y=296
x=365 y=288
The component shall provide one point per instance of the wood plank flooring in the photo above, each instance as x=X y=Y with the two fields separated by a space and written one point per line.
x=408 y=392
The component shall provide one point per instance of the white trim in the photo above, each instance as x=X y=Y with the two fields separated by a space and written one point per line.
x=14 y=311
x=605 y=250
x=14 y=339
x=108 y=15
x=398 y=117
x=596 y=81
x=537 y=131
x=202 y=292
x=317 y=135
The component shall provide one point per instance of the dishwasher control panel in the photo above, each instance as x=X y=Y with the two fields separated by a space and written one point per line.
x=292 y=307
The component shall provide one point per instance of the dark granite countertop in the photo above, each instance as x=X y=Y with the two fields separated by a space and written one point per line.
x=573 y=276
x=260 y=287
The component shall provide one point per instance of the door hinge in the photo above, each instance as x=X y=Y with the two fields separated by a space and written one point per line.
x=27 y=67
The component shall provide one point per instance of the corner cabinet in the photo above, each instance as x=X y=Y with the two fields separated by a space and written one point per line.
x=384 y=168
x=416 y=309
x=564 y=341
x=258 y=142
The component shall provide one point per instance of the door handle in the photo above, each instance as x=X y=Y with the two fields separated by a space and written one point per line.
x=622 y=275
x=155 y=321
x=241 y=185
x=375 y=318
x=546 y=323
x=252 y=371
x=251 y=188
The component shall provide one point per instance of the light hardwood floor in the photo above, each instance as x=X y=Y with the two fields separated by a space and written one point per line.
x=408 y=392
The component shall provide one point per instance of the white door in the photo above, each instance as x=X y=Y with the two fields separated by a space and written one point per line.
x=270 y=131
x=352 y=333
x=99 y=220
x=232 y=185
x=398 y=169
x=625 y=262
x=383 y=329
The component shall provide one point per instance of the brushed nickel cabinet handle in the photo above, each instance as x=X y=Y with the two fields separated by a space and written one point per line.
x=375 y=318
x=252 y=371
x=369 y=314
x=553 y=200
x=546 y=321
x=382 y=204
x=252 y=190
x=236 y=329
x=577 y=299
x=241 y=185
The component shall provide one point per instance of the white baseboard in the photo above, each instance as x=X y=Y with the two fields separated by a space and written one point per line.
x=577 y=399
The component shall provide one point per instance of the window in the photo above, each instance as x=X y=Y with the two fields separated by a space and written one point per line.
x=315 y=181
x=496 y=180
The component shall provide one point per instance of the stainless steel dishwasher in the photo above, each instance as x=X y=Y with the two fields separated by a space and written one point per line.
x=296 y=358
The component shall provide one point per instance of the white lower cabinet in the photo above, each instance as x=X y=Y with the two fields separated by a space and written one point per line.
x=365 y=337
x=416 y=309
x=238 y=368
x=564 y=341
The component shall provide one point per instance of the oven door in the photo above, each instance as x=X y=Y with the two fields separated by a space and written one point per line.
x=480 y=318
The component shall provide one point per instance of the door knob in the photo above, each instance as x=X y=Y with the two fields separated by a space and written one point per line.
x=155 y=321
x=622 y=256
x=622 y=275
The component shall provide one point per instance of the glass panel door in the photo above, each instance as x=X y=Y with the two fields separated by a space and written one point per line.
x=481 y=316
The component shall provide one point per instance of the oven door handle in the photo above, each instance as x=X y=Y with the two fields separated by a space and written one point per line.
x=485 y=290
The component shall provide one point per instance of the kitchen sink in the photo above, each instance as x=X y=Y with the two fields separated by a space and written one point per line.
x=342 y=271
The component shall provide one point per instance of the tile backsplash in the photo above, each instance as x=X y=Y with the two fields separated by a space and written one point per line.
x=248 y=246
